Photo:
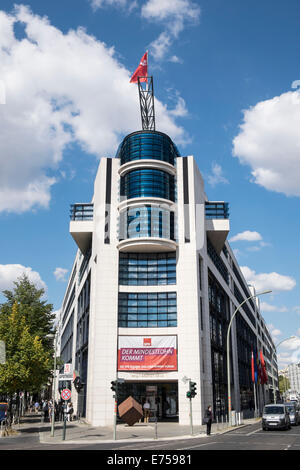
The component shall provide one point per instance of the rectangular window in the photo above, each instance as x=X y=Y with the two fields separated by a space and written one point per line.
x=147 y=269
x=150 y=310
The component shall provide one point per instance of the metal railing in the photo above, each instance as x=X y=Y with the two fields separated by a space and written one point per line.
x=216 y=210
x=82 y=211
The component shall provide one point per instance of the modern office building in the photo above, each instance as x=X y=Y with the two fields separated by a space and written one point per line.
x=153 y=286
x=293 y=374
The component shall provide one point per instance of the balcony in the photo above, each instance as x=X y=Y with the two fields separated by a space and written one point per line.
x=81 y=225
x=217 y=223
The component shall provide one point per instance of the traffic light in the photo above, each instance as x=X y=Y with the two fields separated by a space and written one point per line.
x=188 y=394
x=193 y=389
x=113 y=385
x=78 y=384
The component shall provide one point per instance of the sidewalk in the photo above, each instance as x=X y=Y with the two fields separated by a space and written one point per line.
x=81 y=433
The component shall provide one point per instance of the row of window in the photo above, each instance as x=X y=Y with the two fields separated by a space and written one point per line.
x=147 y=183
x=145 y=270
x=146 y=145
x=146 y=221
x=147 y=310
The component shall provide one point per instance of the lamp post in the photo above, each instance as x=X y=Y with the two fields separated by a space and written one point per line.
x=54 y=388
x=273 y=381
x=228 y=350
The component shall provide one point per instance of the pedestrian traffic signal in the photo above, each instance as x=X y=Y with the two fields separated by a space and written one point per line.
x=193 y=389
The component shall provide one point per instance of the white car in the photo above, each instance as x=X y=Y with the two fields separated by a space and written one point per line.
x=276 y=417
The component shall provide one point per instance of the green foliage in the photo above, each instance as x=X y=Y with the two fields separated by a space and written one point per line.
x=25 y=322
x=284 y=384
x=36 y=311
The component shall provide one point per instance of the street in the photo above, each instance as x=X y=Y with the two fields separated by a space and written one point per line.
x=250 y=437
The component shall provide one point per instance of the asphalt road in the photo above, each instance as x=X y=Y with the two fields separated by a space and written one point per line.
x=247 y=438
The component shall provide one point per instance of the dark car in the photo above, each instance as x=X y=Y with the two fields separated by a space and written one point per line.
x=276 y=417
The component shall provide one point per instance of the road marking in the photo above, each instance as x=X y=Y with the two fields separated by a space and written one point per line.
x=253 y=432
x=199 y=445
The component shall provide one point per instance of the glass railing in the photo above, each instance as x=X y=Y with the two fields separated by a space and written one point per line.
x=216 y=210
x=82 y=211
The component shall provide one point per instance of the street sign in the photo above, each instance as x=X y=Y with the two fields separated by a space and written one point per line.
x=65 y=394
x=68 y=369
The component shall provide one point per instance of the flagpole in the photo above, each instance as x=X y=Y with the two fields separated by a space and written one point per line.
x=255 y=401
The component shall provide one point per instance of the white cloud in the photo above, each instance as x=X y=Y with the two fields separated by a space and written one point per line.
x=61 y=88
x=274 y=331
x=216 y=176
x=11 y=272
x=247 y=235
x=174 y=15
x=268 y=281
x=269 y=142
x=266 y=307
x=60 y=274
x=176 y=60
x=96 y=4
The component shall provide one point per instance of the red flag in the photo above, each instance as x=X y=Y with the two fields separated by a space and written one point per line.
x=263 y=369
x=142 y=70
x=252 y=367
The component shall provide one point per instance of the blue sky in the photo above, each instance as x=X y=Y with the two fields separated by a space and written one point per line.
x=225 y=79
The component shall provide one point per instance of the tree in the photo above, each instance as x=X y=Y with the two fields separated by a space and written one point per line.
x=284 y=384
x=28 y=362
x=36 y=311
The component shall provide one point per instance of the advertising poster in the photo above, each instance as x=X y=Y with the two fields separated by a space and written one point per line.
x=147 y=353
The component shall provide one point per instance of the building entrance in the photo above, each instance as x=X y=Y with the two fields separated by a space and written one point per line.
x=162 y=397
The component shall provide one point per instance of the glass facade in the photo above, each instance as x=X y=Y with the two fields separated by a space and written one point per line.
x=147 y=269
x=147 y=145
x=147 y=310
x=146 y=221
x=148 y=183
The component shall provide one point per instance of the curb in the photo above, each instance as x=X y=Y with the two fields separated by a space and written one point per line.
x=48 y=440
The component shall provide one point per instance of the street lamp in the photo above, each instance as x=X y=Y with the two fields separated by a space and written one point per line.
x=228 y=345
x=273 y=381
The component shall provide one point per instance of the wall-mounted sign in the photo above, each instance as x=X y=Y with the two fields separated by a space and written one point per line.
x=145 y=353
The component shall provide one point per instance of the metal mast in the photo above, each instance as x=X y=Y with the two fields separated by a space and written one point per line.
x=147 y=104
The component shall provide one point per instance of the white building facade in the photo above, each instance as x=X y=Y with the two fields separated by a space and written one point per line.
x=152 y=289
x=293 y=374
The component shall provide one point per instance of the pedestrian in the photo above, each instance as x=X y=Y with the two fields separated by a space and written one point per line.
x=70 y=411
x=146 y=411
x=208 y=420
x=45 y=410
x=60 y=411
x=36 y=407
x=50 y=408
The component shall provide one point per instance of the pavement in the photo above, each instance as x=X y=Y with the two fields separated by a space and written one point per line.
x=80 y=432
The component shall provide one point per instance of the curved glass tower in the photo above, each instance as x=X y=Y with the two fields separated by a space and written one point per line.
x=147 y=191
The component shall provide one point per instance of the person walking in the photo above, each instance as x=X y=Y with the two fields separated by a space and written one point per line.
x=69 y=411
x=208 y=419
x=146 y=411
x=36 y=407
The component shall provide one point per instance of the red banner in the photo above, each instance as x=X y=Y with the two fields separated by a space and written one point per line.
x=142 y=70
x=155 y=353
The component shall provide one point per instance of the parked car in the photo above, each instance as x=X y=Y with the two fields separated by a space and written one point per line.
x=294 y=412
x=275 y=416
